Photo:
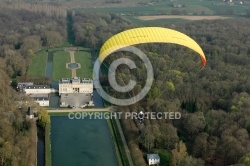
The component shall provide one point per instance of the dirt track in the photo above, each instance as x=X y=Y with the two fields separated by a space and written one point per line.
x=148 y=18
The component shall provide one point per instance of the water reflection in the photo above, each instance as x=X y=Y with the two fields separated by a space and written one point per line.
x=55 y=103
x=40 y=148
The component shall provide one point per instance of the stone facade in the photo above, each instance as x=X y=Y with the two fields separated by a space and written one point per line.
x=75 y=85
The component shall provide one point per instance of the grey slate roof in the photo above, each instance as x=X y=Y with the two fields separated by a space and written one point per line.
x=38 y=87
x=75 y=80
x=153 y=156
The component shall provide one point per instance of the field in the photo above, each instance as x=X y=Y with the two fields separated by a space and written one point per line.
x=84 y=58
x=147 y=18
x=97 y=3
x=59 y=65
x=38 y=66
x=156 y=22
x=196 y=7
x=190 y=11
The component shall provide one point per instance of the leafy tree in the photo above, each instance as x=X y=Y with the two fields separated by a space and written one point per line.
x=180 y=157
x=148 y=137
x=43 y=117
x=179 y=154
x=168 y=137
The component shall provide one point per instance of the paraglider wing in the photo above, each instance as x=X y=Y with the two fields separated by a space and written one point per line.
x=149 y=35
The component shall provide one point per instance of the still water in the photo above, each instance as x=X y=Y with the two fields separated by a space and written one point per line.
x=85 y=142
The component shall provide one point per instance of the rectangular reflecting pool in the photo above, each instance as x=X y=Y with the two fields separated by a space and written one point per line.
x=84 y=142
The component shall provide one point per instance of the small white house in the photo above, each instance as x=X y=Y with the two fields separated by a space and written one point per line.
x=41 y=99
x=42 y=102
x=153 y=159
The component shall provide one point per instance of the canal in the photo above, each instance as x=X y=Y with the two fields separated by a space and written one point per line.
x=40 y=148
x=85 y=142
x=76 y=142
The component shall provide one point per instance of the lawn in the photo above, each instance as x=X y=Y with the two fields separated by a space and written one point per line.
x=121 y=152
x=59 y=65
x=122 y=10
x=117 y=150
x=67 y=45
x=84 y=58
x=48 y=161
x=38 y=66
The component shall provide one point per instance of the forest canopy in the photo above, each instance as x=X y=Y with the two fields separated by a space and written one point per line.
x=215 y=124
x=214 y=103
x=23 y=33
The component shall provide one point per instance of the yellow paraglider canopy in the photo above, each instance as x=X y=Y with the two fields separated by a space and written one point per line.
x=149 y=35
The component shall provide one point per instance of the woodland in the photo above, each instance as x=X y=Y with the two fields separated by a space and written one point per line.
x=214 y=102
x=23 y=33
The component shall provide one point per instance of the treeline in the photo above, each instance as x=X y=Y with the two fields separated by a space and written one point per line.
x=23 y=33
x=214 y=102
x=92 y=30
x=49 y=9
x=17 y=136
x=35 y=80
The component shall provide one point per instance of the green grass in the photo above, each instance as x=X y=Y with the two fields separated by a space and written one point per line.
x=66 y=44
x=165 y=156
x=66 y=113
x=84 y=58
x=158 y=8
x=122 y=10
x=117 y=152
x=59 y=65
x=38 y=66
x=165 y=7
x=59 y=113
x=48 y=160
x=83 y=49
x=157 y=22
x=56 y=49
x=120 y=150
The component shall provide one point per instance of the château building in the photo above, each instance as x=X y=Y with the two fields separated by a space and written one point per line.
x=75 y=85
